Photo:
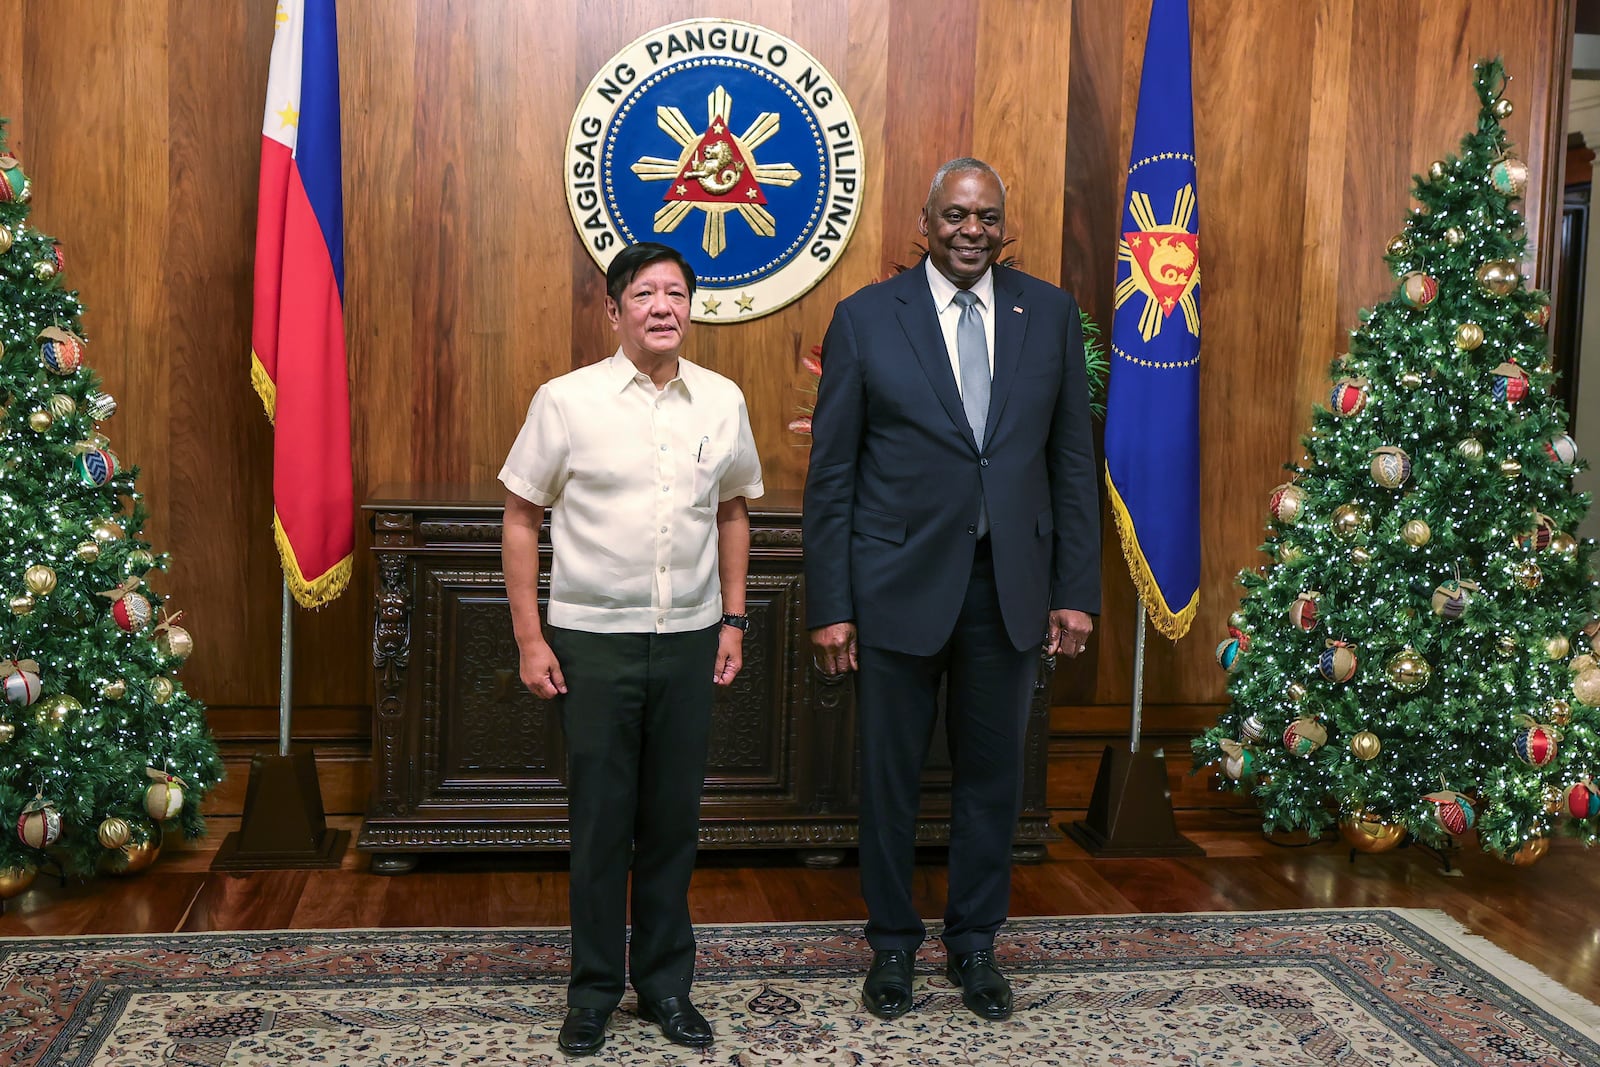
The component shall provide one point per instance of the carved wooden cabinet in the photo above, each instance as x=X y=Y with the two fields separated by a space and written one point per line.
x=466 y=758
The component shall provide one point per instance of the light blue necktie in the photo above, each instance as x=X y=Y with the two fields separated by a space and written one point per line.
x=972 y=353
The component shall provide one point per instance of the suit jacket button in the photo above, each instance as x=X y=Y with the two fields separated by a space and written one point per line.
x=983 y=462
x=972 y=529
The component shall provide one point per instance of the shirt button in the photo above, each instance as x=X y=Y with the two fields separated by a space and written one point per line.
x=663 y=570
x=663 y=529
x=663 y=448
x=666 y=488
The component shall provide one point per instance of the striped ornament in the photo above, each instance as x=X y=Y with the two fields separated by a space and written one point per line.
x=1536 y=745
x=1583 y=800
x=95 y=468
x=1337 y=663
x=39 y=825
x=1510 y=383
x=131 y=612
x=1562 y=450
x=1349 y=397
x=22 y=687
x=1452 y=810
x=1418 y=290
x=13 y=182
x=60 y=352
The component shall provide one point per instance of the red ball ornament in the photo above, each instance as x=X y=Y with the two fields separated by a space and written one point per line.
x=1583 y=800
x=131 y=612
x=1536 y=745
x=1538 y=537
x=1452 y=810
x=1562 y=450
x=1510 y=383
x=13 y=183
x=1349 y=397
x=39 y=825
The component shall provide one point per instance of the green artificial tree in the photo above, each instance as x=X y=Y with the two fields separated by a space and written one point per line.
x=1419 y=656
x=99 y=742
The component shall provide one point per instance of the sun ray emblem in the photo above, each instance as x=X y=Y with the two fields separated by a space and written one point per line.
x=1163 y=263
x=716 y=172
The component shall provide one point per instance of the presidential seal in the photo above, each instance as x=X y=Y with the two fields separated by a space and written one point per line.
x=730 y=143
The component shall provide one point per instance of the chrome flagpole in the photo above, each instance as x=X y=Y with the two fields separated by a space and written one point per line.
x=1138 y=678
x=286 y=671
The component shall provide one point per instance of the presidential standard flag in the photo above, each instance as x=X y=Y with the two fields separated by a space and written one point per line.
x=298 y=361
x=1153 y=399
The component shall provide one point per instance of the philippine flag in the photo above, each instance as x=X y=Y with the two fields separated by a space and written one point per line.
x=298 y=356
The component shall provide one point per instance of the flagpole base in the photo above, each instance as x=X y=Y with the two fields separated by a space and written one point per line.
x=283 y=826
x=1130 y=811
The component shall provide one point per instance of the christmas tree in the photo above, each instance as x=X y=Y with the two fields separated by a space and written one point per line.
x=1419 y=656
x=99 y=742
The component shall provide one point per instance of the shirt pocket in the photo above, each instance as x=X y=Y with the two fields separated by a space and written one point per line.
x=710 y=465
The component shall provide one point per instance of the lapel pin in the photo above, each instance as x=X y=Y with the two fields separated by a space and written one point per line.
x=1017 y=309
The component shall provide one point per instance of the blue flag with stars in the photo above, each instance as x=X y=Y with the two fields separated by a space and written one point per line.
x=1153 y=398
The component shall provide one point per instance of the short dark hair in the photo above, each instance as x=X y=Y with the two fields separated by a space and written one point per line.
x=635 y=258
x=964 y=165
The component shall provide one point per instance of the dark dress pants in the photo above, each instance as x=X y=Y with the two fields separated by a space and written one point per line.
x=988 y=690
x=636 y=717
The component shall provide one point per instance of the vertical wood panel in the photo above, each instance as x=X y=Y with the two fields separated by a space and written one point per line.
x=466 y=286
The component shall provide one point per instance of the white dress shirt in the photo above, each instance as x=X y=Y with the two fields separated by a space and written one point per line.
x=944 y=302
x=632 y=476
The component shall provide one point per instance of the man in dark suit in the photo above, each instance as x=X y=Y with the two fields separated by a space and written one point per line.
x=951 y=523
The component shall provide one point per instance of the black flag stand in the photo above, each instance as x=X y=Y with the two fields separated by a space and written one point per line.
x=1130 y=810
x=283 y=826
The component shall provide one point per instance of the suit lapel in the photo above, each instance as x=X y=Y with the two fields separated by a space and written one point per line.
x=1010 y=326
x=921 y=325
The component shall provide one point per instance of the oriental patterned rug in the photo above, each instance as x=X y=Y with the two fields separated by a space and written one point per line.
x=1345 y=988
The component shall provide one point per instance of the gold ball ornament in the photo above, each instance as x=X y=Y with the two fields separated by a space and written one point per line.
x=1528 y=854
x=6 y=238
x=1558 y=712
x=1470 y=449
x=1469 y=335
x=15 y=880
x=1503 y=108
x=1436 y=170
x=1498 y=277
x=1360 y=556
x=40 y=421
x=1398 y=245
x=1554 y=801
x=1586 y=687
x=1288 y=553
x=174 y=642
x=140 y=561
x=114 y=832
x=1557 y=646
x=1506 y=646
x=1416 y=533
x=1408 y=671
x=1527 y=574
x=161 y=689
x=1236 y=620
x=44 y=270
x=1411 y=380
x=1295 y=691
x=1510 y=468
x=1564 y=544
x=54 y=712
x=40 y=580
x=107 y=531
x=87 y=551
x=7 y=732
x=1365 y=745
x=1348 y=520
x=114 y=690
x=1366 y=832
x=135 y=856
x=1453 y=236
x=22 y=604
x=1583 y=662
x=1509 y=176
x=63 y=406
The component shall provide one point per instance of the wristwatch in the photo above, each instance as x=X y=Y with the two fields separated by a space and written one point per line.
x=738 y=622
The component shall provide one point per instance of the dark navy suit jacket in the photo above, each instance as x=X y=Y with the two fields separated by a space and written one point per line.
x=892 y=494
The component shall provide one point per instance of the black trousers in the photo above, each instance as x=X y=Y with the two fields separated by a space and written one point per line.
x=989 y=684
x=636 y=717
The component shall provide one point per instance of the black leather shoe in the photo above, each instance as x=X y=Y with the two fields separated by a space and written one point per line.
x=984 y=990
x=679 y=1021
x=584 y=1031
x=887 y=990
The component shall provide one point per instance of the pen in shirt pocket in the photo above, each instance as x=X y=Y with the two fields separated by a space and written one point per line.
x=700 y=453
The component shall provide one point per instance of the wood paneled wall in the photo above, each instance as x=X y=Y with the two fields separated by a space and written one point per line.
x=466 y=285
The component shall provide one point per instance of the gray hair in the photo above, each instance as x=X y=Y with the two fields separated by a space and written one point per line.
x=964 y=165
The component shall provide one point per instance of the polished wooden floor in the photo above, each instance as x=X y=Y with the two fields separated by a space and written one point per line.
x=1545 y=914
